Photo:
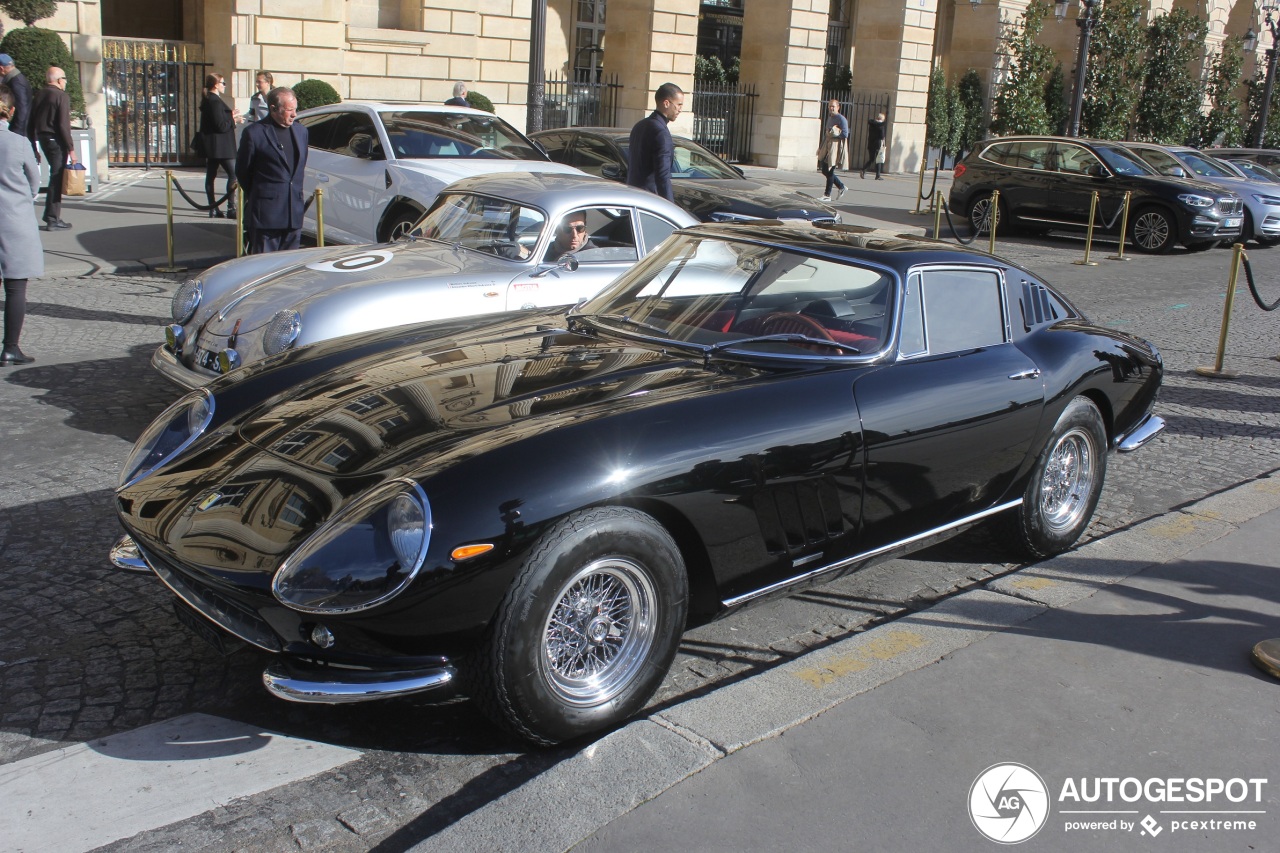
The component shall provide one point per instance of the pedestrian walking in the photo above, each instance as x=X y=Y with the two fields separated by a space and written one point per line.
x=17 y=82
x=876 y=151
x=270 y=165
x=21 y=255
x=50 y=128
x=258 y=100
x=218 y=128
x=832 y=149
x=652 y=153
x=459 y=98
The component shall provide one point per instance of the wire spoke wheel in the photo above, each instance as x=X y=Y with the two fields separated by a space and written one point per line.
x=600 y=631
x=1067 y=481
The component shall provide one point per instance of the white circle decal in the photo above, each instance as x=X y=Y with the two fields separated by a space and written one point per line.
x=359 y=262
x=1008 y=803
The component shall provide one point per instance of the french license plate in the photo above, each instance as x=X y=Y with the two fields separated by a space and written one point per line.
x=200 y=626
x=1233 y=222
x=208 y=359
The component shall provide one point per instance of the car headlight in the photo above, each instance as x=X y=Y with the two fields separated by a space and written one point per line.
x=282 y=331
x=1269 y=200
x=168 y=435
x=1193 y=200
x=186 y=300
x=366 y=554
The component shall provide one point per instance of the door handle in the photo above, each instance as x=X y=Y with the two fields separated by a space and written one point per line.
x=1033 y=373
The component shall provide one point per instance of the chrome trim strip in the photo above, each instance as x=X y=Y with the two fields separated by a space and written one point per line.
x=224 y=619
x=868 y=555
x=1141 y=434
x=341 y=686
x=175 y=371
x=125 y=555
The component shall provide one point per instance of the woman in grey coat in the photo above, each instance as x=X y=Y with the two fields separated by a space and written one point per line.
x=21 y=255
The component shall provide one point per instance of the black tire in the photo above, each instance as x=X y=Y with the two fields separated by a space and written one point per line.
x=1065 y=483
x=399 y=223
x=1153 y=231
x=980 y=214
x=587 y=630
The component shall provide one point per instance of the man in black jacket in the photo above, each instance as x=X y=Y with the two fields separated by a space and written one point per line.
x=269 y=166
x=652 y=152
x=50 y=128
x=17 y=82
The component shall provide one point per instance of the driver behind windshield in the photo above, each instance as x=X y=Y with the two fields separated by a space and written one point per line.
x=571 y=236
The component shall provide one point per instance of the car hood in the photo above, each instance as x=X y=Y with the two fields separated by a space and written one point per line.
x=450 y=169
x=404 y=263
x=419 y=407
x=746 y=197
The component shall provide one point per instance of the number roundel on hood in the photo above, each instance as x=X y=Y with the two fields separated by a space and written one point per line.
x=360 y=261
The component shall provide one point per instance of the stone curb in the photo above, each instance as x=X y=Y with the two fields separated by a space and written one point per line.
x=647 y=757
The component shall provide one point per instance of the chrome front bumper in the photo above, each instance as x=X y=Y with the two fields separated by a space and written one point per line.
x=176 y=372
x=333 y=686
x=1141 y=434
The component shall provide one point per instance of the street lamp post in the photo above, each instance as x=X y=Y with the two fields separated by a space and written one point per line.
x=1274 y=27
x=1085 y=21
x=537 y=65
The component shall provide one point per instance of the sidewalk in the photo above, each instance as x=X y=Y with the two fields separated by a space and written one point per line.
x=1127 y=659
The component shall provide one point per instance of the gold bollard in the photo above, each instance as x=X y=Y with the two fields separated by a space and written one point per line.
x=1124 y=226
x=924 y=162
x=239 y=222
x=1217 y=372
x=1088 y=236
x=319 y=216
x=994 y=220
x=937 y=216
x=168 y=215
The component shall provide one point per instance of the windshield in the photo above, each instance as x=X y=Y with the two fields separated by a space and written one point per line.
x=493 y=226
x=692 y=161
x=711 y=292
x=424 y=135
x=1203 y=166
x=1123 y=162
x=1253 y=170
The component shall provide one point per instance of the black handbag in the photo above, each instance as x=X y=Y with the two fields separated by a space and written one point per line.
x=197 y=144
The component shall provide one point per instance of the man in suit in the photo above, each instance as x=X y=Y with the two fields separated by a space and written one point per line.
x=17 y=82
x=652 y=152
x=270 y=164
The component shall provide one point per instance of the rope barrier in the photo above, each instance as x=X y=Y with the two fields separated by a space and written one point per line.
x=934 y=187
x=1253 y=288
x=977 y=232
x=199 y=206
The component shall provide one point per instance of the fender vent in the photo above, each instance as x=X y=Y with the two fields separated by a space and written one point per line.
x=798 y=516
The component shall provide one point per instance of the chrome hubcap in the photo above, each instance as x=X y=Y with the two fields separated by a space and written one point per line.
x=600 y=631
x=1067 y=481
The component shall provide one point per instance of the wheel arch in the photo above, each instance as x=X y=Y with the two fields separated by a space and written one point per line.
x=395 y=208
x=704 y=591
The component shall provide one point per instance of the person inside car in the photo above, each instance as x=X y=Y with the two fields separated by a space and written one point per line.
x=571 y=237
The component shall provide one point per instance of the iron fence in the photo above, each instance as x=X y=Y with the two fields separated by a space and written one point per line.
x=578 y=103
x=723 y=116
x=859 y=107
x=153 y=91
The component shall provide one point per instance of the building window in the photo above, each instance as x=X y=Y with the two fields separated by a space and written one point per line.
x=295 y=443
x=366 y=404
x=296 y=511
x=588 y=41
x=838 y=34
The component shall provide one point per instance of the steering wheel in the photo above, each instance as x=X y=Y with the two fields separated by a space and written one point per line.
x=784 y=323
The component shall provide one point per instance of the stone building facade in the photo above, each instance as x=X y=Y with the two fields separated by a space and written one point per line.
x=413 y=50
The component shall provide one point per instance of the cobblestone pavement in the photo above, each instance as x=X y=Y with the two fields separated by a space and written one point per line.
x=87 y=651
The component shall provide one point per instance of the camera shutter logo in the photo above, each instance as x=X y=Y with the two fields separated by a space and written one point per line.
x=1008 y=803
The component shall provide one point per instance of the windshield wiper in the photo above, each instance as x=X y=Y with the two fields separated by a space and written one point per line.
x=627 y=321
x=788 y=337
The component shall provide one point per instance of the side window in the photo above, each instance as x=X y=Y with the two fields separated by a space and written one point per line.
x=1159 y=160
x=319 y=130
x=1075 y=160
x=962 y=310
x=999 y=153
x=654 y=229
x=595 y=235
x=557 y=145
x=352 y=132
x=911 y=341
x=1035 y=154
x=595 y=157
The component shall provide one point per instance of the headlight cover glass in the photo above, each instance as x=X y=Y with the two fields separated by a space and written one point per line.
x=186 y=300
x=168 y=435
x=365 y=555
x=1194 y=200
x=282 y=331
x=1268 y=200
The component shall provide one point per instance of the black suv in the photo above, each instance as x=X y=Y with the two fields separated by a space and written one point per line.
x=1048 y=182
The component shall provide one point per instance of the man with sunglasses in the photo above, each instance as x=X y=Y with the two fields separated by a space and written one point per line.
x=571 y=237
x=50 y=129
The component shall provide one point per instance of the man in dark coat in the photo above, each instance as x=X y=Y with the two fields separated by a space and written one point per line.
x=270 y=166
x=17 y=83
x=652 y=152
x=50 y=128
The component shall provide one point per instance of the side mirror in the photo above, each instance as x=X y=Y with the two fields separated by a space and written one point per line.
x=567 y=262
x=612 y=172
x=741 y=174
x=1176 y=172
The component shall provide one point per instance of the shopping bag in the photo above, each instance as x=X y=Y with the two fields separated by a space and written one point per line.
x=73 y=179
x=880 y=155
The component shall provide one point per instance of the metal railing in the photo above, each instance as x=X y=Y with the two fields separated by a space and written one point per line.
x=153 y=91
x=723 y=116
x=578 y=103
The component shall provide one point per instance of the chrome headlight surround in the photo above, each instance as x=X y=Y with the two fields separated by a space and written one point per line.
x=1193 y=200
x=168 y=436
x=186 y=300
x=282 y=330
x=364 y=556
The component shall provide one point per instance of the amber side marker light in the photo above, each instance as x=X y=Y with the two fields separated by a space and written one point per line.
x=466 y=552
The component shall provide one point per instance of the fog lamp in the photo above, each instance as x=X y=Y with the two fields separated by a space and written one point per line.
x=322 y=637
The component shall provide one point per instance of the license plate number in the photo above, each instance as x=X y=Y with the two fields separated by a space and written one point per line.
x=200 y=626
x=208 y=359
x=1233 y=222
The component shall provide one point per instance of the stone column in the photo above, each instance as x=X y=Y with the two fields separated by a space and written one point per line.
x=783 y=51
x=648 y=43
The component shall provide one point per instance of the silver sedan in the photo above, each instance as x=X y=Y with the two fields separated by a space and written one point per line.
x=491 y=243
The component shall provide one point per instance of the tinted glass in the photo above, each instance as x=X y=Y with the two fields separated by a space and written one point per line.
x=1123 y=161
x=654 y=229
x=424 y=135
x=962 y=310
x=592 y=155
x=492 y=226
x=319 y=129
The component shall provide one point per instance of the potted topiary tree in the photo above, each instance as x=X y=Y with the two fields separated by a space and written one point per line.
x=315 y=93
x=35 y=49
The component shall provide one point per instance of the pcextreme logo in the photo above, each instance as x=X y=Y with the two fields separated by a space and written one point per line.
x=1008 y=803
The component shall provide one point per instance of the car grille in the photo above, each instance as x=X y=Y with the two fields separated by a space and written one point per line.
x=826 y=220
x=1230 y=206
